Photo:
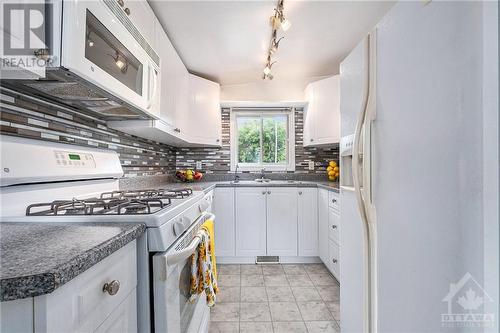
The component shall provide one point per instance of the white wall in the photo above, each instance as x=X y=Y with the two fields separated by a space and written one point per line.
x=279 y=89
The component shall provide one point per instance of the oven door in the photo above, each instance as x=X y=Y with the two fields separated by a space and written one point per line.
x=173 y=310
x=97 y=47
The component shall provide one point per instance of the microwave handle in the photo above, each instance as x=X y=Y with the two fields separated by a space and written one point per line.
x=185 y=253
x=152 y=92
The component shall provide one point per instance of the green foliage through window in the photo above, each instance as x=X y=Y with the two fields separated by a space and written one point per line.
x=262 y=135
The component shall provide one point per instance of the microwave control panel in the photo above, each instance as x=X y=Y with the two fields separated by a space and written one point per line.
x=67 y=159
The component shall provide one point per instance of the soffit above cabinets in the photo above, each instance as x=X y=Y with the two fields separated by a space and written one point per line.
x=227 y=41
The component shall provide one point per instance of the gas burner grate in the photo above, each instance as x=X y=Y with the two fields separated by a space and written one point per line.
x=94 y=206
x=112 y=203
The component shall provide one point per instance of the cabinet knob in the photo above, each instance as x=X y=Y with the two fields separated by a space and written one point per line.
x=312 y=140
x=268 y=192
x=127 y=11
x=218 y=140
x=334 y=226
x=300 y=192
x=178 y=130
x=111 y=287
x=263 y=192
x=334 y=261
x=121 y=3
x=334 y=200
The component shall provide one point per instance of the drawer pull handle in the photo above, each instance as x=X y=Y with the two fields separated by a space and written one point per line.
x=334 y=261
x=334 y=226
x=112 y=287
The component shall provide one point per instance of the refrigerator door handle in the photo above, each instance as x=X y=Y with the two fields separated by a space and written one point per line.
x=370 y=212
x=367 y=326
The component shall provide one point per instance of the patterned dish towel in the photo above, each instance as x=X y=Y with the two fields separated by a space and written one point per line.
x=202 y=272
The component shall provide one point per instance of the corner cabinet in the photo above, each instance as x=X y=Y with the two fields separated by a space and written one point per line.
x=322 y=114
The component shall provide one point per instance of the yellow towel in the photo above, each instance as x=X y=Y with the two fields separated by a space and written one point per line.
x=209 y=226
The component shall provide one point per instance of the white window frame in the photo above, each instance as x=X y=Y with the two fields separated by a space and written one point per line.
x=289 y=166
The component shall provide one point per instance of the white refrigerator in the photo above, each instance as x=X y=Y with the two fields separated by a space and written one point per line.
x=412 y=98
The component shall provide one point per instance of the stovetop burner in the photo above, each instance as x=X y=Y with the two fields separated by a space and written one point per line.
x=112 y=203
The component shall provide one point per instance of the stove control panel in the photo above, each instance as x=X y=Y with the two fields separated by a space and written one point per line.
x=67 y=159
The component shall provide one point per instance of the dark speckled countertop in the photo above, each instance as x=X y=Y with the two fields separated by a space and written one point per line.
x=209 y=185
x=37 y=258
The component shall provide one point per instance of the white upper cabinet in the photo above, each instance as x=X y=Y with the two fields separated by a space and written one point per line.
x=174 y=81
x=322 y=115
x=203 y=125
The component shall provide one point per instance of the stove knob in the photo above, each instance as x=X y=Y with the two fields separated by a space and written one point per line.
x=178 y=228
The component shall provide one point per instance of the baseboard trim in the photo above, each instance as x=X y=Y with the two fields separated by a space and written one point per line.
x=283 y=260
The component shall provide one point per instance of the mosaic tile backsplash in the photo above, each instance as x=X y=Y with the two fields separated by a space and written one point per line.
x=29 y=117
x=217 y=160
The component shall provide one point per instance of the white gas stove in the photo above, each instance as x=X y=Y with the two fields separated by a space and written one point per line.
x=51 y=182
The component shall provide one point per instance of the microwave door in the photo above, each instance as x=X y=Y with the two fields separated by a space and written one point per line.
x=99 y=49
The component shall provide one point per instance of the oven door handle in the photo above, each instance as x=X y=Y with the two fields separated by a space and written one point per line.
x=185 y=253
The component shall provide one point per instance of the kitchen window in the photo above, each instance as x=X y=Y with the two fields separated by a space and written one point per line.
x=262 y=139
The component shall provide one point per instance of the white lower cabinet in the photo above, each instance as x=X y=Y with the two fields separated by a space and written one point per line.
x=281 y=221
x=323 y=224
x=81 y=305
x=308 y=222
x=223 y=207
x=250 y=206
x=273 y=221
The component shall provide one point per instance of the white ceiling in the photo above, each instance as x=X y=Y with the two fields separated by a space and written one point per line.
x=227 y=41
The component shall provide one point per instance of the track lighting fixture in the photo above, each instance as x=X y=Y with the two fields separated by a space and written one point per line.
x=277 y=21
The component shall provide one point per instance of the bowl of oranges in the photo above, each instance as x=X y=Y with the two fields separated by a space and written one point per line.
x=333 y=171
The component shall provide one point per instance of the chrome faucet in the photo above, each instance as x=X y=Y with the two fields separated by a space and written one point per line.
x=236 y=177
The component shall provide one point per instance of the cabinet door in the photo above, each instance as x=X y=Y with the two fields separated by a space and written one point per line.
x=250 y=203
x=323 y=224
x=204 y=111
x=281 y=221
x=327 y=111
x=223 y=206
x=169 y=79
x=308 y=221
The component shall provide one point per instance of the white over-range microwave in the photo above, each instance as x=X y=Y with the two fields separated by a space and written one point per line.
x=99 y=61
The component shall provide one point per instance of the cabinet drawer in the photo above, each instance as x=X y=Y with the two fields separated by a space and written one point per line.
x=334 y=259
x=333 y=200
x=334 y=225
x=81 y=304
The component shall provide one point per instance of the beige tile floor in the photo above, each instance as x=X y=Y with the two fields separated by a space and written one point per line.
x=276 y=298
